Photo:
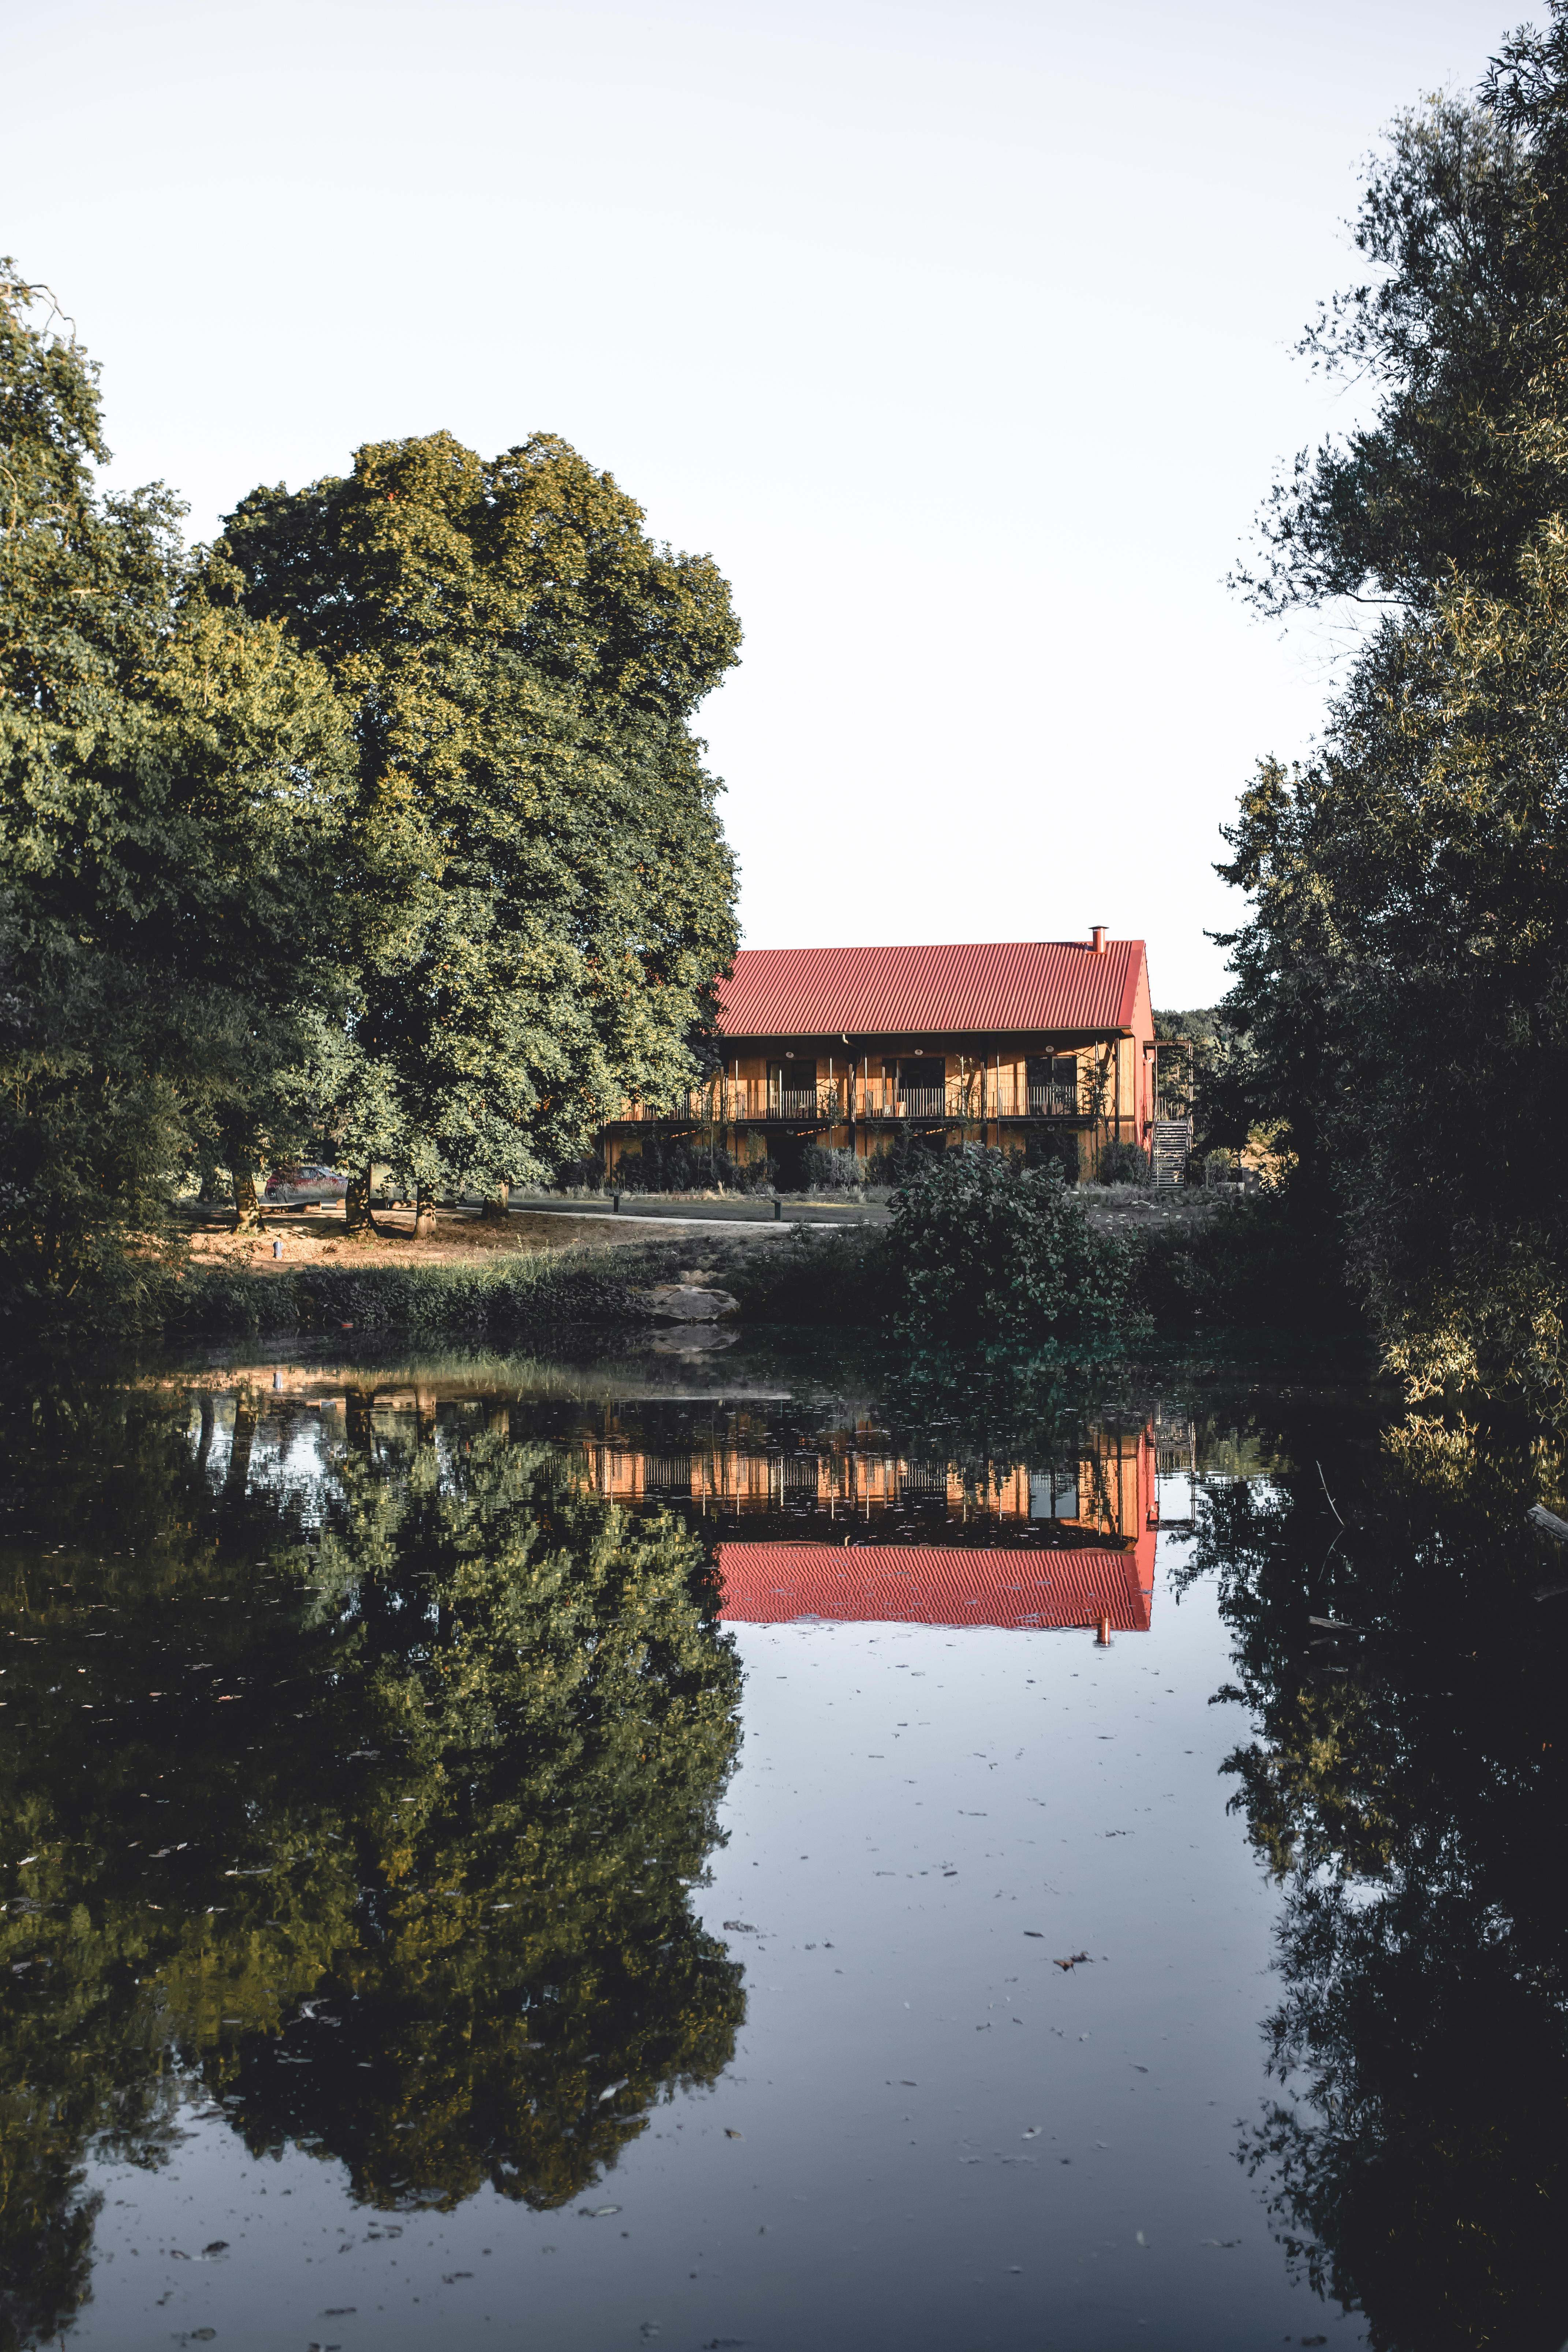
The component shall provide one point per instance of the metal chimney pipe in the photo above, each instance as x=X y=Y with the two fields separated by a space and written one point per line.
x=1097 y=935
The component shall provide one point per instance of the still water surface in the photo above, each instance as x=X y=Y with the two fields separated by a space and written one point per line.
x=722 y=1849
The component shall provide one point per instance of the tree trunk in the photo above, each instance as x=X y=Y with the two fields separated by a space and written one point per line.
x=239 y=1474
x=247 y=1207
x=424 y=1210
x=357 y=1218
x=359 y=1428
x=496 y=1207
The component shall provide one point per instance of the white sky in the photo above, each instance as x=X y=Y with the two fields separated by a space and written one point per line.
x=960 y=334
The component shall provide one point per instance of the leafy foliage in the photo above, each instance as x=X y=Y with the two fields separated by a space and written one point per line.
x=1400 y=999
x=985 y=1249
x=508 y=1718
x=541 y=894
x=170 y=781
x=1402 y=1783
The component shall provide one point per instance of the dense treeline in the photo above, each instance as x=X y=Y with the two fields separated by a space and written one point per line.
x=378 y=830
x=1398 y=1768
x=1400 y=1013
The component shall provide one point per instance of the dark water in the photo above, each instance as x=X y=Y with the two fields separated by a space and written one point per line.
x=732 y=1848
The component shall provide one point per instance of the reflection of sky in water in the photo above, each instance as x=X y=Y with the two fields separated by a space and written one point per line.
x=943 y=2135
x=997 y=1954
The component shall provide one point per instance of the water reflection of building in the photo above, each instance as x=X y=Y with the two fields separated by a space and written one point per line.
x=1091 y=1585
x=847 y=1529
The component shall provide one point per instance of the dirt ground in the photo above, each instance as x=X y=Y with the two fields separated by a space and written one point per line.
x=310 y=1235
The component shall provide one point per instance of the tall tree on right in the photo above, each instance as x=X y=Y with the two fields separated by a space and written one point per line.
x=1401 y=997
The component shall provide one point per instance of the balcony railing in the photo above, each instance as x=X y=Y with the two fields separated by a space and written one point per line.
x=725 y=1102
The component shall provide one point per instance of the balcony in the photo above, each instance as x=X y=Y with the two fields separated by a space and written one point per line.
x=962 y=1102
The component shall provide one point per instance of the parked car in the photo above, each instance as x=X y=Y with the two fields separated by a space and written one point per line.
x=288 y=1188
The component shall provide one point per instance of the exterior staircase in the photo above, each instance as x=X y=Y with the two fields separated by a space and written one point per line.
x=1171 y=1148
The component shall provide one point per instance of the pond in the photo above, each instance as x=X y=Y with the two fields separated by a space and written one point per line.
x=727 y=1846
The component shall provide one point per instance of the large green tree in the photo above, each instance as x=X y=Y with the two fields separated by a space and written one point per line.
x=1400 y=995
x=172 y=777
x=543 y=895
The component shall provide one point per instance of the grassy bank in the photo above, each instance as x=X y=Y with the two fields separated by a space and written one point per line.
x=828 y=1278
x=468 y=1298
x=1228 y=1280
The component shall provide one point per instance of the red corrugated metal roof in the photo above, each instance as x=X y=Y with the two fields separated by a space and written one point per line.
x=771 y=1583
x=881 y=992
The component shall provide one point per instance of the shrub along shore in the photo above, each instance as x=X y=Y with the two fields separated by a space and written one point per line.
x=979 y=1255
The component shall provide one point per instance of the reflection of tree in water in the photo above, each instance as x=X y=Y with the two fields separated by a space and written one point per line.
x=442 y=1804
x=1408 y=1789
x=983 y=1413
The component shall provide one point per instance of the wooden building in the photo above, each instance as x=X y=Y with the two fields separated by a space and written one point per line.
x=845 y=1046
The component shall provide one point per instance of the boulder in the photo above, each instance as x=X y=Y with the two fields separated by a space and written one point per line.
x=684 y=1302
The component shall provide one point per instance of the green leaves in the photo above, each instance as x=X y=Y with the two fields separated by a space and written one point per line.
x=381 y=826
x=1400 y=991
x=543 y=895
x=174 y=778
x=441 y=1766
x=985 y=1250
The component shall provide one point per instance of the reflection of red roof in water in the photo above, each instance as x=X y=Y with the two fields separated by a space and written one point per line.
x=770 y=1583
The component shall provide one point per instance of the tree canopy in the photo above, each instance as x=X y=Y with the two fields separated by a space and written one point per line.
x=380 y=828
x=172 y=777
x=1399 y=1001
x=543 y=893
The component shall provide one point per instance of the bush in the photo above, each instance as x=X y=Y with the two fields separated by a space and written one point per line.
x=828 y=1170
x=1241 y=1270
x=1049 y=1145
x=1123 y=1163
x=580 y=1175
x=674 y=1163
x=901 y=1152
x=982 y=1249
x=836 y=1281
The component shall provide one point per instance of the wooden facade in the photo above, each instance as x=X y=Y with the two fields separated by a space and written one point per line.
x=845 y=1047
